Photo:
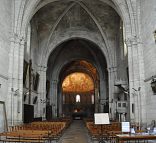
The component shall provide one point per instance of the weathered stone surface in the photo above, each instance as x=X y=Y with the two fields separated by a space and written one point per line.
x=98 y=22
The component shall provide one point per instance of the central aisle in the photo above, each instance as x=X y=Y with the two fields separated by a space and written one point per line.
x=76 y=133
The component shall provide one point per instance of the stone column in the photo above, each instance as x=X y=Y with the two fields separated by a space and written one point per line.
x=112 y=77
x=97 y=97
x=103 y=96
x=136 y=76
x=42 y=93
x=131 y=75
x=20 y=82
x=53 y=97
x=60 y=105
x=15 y=85
x=60 y=102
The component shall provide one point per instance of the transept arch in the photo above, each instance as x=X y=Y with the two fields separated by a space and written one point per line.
x=59 y=68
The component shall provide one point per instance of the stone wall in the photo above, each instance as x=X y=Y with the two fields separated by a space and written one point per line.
x=5 y=30
x=148 y=26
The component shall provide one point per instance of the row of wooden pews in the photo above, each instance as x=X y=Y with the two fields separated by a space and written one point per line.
x=35 y=132
x=107 y=132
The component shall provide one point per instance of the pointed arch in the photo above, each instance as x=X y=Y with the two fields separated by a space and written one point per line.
x=124 y=9
x=108 y=52
x=54 y=27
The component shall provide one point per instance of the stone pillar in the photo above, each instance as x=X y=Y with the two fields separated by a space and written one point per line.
x=15 y=88
x=60 y=106
x=53 y=97
x=97 y=97
x=42 y=93
x=103 y=92
x=60 y=102
x=136 y=77
x=112 y=77
x=20 y=82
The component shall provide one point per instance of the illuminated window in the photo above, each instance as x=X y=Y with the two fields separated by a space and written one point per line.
x=27 y=49
x=77 y=98
x=125 y=46
x=92 y=99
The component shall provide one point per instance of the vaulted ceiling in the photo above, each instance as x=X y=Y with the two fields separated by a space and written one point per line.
x=73 y=31
x=89 y=15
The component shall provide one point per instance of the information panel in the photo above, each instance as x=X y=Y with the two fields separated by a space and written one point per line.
x=101 y=118
x=125 y=127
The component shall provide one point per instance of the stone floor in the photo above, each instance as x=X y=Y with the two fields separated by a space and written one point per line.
x=76 y=133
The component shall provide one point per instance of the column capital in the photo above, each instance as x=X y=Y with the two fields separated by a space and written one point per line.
x=133 y=40
x=42 y=68
x=54 y=81
x=112 y=69
x=15 y=38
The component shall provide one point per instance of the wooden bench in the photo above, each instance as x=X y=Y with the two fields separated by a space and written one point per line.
x=103 y=131
x=34 y=132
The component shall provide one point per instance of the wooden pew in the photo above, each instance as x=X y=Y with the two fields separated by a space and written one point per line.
x=103 y=131
x=34 y=132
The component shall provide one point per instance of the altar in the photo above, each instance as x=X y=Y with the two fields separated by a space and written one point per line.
x=78 y=114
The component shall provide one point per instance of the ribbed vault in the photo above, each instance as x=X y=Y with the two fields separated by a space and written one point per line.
x=71 y=16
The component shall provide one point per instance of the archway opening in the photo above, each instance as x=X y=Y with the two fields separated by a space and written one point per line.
x=60 y=36
x=78 y=90
x=82 y=58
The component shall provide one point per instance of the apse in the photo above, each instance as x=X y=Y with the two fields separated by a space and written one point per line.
x=78 y=90
x=78 y=83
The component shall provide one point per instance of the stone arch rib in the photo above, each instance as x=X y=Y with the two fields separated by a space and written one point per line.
x=104 y=37
x=55 y=25
x=120 y=8
x=131 y=17
x=31 y=8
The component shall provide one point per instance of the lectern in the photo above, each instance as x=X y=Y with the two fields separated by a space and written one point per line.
x=101 y=119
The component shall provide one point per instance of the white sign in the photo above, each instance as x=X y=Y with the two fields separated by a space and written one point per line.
x=132 y=131
x=154 y=130
x=125 y=127
x=101 y=118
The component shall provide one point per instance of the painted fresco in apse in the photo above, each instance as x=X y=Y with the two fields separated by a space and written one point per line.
x=78 y=82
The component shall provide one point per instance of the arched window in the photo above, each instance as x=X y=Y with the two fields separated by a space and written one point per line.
x=125 y=46
x=92 y=98
x=77 y=98
x=27 y=44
